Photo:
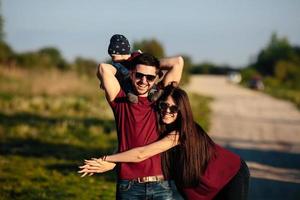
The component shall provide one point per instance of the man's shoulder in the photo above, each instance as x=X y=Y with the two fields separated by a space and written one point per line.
x=121 y=97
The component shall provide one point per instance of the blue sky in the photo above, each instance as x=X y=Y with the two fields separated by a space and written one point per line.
x=220 y=31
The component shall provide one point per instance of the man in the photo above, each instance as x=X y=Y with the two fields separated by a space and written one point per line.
x=136 y=124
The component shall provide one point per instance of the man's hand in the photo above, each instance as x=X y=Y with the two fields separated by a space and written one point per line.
x=95 y=166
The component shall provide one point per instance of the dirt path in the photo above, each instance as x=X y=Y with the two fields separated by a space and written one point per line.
x=265 y=131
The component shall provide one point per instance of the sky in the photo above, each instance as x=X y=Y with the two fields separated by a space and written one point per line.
x=228 y=32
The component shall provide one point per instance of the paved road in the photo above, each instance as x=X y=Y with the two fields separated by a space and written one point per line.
x=265 y=131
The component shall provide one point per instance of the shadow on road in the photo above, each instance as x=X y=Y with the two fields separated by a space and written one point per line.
x=262 y=189
x=274 y=174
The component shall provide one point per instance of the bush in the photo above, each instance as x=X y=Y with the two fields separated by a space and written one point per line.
x=6 y=53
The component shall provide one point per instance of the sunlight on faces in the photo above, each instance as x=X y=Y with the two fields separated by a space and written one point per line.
x=141 y=84
x=167 y=116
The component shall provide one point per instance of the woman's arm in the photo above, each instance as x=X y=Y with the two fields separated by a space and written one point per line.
x=139 y=154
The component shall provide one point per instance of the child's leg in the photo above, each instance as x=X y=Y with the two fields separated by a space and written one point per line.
x=124 y=79
x=127 y=87
x=123 y=70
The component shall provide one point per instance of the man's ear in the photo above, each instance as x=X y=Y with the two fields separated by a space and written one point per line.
x=160 y=73
x=131 y=74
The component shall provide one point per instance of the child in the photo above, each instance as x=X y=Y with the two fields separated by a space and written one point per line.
x=119 y=50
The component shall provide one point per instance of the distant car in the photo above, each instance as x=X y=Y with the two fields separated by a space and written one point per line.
x=256 y=84
x=234 y=77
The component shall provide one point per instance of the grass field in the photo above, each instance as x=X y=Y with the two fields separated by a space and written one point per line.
x=49 y=122
x=291 y=95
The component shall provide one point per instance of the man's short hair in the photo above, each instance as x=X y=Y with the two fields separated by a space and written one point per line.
x=145 y=59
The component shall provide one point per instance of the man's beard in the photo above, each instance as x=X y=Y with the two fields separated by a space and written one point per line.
x=138 y=93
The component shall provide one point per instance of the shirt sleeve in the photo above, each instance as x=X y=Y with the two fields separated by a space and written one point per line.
x=113 y=103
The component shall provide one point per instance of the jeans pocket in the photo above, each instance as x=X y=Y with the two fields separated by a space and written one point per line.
x=165 y=184
x=124 y=186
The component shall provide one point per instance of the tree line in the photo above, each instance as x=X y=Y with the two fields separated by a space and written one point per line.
x=278 y=64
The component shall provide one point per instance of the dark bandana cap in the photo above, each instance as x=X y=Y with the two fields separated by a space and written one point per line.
x=118 y=45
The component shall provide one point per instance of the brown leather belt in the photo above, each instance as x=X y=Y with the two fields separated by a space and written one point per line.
x=148 y=179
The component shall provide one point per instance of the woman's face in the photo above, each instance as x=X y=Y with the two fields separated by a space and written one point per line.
x=168 y=110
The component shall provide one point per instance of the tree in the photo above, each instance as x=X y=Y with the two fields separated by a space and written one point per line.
x=53 y=56
x=85 y=66
x=151 y=46
x=277 y=49
x=186 y=69
x=6 y=53
x=288 y=73
x=202 y=68
x=47 y=57
x=1 y=24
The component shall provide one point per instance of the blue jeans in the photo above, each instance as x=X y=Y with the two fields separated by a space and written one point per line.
x=132 y=190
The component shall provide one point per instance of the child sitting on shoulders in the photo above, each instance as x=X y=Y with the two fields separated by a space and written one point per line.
x=119 y=51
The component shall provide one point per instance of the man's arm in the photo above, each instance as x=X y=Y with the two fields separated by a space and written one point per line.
x=174 y=67
x=106 y=74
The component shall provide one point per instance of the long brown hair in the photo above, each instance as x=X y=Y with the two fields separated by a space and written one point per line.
x=186 y=162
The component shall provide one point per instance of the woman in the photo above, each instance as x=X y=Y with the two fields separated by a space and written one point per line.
x=200 y=168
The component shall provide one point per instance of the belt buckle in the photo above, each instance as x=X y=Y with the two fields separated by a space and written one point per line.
x=147 y=179
x=143 y=180
x=140 y=180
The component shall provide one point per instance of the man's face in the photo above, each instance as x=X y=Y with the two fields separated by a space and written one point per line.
x=143 y=78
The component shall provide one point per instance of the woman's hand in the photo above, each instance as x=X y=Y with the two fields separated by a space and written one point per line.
x=95 y=166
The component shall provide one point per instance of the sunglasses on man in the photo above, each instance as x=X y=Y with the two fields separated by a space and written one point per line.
x=149 y=78
x=164 y=106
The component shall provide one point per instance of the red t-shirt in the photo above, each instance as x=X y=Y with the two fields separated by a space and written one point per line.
x=221 y=168
x=136 y=126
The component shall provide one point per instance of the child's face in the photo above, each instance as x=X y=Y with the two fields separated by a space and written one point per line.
x=118 y=58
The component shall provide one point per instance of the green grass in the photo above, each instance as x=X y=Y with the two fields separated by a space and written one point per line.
x=201 y=109
x=291 y=95
x=279 y=90
x=51 y=121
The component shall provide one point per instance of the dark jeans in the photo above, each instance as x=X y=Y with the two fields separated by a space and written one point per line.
x=176 y=194
x=237 y=188
x=132 y=190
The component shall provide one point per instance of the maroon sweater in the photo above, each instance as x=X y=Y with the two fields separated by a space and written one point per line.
x=222 y=167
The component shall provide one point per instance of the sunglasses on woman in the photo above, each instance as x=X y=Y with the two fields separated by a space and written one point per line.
x=164 y=106
x=150 y=78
